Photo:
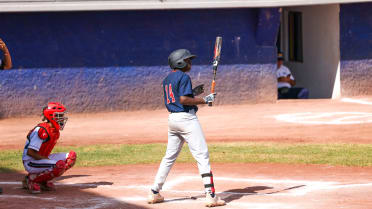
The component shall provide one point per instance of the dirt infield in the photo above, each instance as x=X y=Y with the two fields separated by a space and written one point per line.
x=241 y=185
x=285 y=121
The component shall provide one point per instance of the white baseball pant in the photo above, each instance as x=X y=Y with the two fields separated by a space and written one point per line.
x=38 y=166
x=183 y=127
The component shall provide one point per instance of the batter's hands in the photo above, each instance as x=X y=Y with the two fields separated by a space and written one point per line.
x=210 y=98
x=198 y=90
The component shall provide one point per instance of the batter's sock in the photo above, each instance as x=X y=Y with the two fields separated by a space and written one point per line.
x=154 y=192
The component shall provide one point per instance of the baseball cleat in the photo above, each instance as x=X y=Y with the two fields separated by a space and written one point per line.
x=33 y=188
x=213 y=201
x=155 y=198
x=48 y=186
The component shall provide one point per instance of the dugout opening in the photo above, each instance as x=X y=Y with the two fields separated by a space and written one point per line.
x=309 y=40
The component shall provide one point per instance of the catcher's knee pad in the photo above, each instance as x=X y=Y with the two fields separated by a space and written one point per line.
x=70 y=160
x=47 y=175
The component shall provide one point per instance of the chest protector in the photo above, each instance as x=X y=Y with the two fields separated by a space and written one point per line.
x=49 y=136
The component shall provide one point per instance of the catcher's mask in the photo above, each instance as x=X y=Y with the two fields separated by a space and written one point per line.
x=55 y=113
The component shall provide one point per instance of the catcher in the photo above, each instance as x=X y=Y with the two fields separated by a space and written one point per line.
x=43 y=167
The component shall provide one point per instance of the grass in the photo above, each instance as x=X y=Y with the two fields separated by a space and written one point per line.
x=101 y=155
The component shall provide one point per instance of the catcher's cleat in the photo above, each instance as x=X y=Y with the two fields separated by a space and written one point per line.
x=33 y=187
x=213 y=201
x=155 y=198
x=48 y=186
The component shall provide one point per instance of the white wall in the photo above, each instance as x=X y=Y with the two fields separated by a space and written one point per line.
x=95 y=5
x=321 y=50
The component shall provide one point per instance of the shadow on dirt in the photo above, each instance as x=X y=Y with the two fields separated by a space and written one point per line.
x=70 y=195
x=235 y=194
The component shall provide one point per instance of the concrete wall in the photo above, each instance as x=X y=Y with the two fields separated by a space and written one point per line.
x=321 y=56
x=356 y=49
x=103 y=61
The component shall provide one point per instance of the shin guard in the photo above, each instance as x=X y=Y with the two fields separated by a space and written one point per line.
x=70 y=160
x=46 y=176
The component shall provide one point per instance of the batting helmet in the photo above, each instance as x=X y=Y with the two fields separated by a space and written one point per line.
x=55 y=113
x=177 y=58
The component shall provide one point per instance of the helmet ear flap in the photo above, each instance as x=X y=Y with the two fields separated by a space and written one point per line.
x=180 y=64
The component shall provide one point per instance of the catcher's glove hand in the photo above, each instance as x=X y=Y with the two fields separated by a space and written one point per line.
x=198 y=90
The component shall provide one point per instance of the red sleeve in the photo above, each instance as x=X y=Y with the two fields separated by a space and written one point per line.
x=42 y=134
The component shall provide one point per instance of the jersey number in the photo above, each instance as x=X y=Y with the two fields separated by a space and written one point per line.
x=170 y=95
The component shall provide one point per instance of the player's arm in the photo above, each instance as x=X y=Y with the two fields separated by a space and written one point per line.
x=34 y=154
x=185 y=100
x=7 y=62
x=292 y=80
x=186 y=93
x=37 y=137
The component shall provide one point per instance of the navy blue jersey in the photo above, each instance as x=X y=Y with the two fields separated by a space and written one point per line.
x=175 y=85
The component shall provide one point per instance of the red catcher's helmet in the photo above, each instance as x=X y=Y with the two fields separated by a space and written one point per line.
x=55 y=113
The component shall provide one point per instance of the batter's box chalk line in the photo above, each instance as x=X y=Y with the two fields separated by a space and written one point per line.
x=291 y=187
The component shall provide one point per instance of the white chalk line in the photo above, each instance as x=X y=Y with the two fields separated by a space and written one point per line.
x=173 y=183
x=201 y=200
x=26 y=197
x=335 y=118
x=97 y=203
x=245 y=204
x=358 y=101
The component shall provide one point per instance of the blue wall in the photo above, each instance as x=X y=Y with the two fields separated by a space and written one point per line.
x=98 y=61
x=356 y=49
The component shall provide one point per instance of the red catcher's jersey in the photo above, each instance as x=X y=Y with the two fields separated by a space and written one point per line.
x=48 y=143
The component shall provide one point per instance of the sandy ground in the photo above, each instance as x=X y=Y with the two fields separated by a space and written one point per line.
x=241 y=185
x=346 y=122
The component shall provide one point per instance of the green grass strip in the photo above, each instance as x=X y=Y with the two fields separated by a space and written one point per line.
x=101 y=155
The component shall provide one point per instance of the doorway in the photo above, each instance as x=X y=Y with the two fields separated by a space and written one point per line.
x=309 y=40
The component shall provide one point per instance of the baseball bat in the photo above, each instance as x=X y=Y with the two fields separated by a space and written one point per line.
x=216 y=60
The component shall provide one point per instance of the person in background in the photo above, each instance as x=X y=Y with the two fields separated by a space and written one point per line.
x=6 y=62
x=286 y=83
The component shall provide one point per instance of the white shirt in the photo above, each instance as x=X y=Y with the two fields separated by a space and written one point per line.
x=283 y=71
x=34 y=143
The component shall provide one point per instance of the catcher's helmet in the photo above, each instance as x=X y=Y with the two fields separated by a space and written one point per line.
x=55 y=113
x=177 y=58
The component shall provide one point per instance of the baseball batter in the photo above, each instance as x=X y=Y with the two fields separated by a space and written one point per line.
x=41 y=165
x=183 y=126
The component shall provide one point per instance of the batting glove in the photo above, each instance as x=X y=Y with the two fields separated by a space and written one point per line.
x=210 y=98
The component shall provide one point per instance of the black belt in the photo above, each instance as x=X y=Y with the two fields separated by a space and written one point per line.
x=184 y=111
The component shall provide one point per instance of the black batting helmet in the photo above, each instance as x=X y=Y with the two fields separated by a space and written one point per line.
x=177 y=58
